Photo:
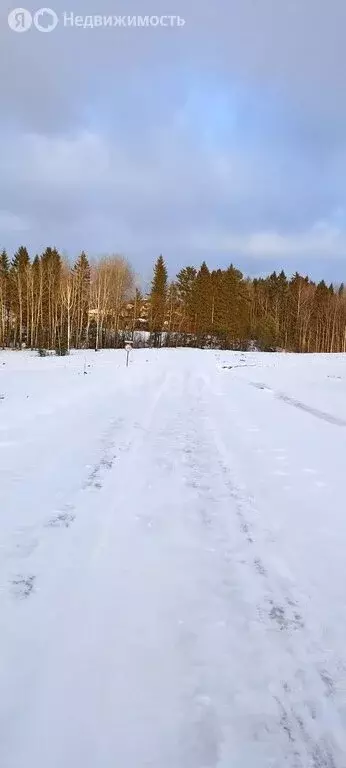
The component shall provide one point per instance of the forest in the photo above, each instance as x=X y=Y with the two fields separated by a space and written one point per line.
x=47 y=303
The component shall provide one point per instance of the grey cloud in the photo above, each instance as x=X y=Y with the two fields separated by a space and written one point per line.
x=94 y=146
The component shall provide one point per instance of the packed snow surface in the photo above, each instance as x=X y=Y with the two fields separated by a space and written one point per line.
x=172 y=560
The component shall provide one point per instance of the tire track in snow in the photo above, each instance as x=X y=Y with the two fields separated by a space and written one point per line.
x=309 y=715
x=61 y=588
x=328 y=417
x=303 y=713
x=247 y=692
x=28 y=540
x=206 y=738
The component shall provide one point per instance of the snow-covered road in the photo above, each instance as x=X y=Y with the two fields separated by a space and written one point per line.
x=172 y=560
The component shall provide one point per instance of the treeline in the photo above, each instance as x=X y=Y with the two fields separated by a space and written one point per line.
x=50 y=304
x=223 y=308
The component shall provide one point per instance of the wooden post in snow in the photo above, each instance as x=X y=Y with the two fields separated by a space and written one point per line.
x=128 y=347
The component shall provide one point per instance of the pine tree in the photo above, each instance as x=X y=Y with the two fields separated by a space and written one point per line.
x=158 y=297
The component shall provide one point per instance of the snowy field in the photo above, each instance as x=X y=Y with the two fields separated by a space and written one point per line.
x=172 y=560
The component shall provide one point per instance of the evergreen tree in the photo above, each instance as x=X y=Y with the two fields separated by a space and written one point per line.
x=203 y=305
x=186 y=296
x=4 y=263
x=47 y=304
x=158 y=297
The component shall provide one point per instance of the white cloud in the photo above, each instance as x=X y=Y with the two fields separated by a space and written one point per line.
x=323 y=239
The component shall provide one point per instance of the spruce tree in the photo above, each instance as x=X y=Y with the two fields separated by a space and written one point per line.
x=203 y=300
x=186 y=280
x=4 y=263
x=236 y=305
x=158 y=297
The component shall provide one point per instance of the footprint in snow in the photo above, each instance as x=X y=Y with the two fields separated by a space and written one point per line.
x=61 y=520
x=278 y=614
x=260 y=567
x=328 y=682
x=22 y=586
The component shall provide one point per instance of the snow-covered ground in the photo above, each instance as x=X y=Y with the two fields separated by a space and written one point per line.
x=172 y=560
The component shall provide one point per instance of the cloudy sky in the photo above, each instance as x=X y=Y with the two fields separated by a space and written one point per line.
x=223 y=139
